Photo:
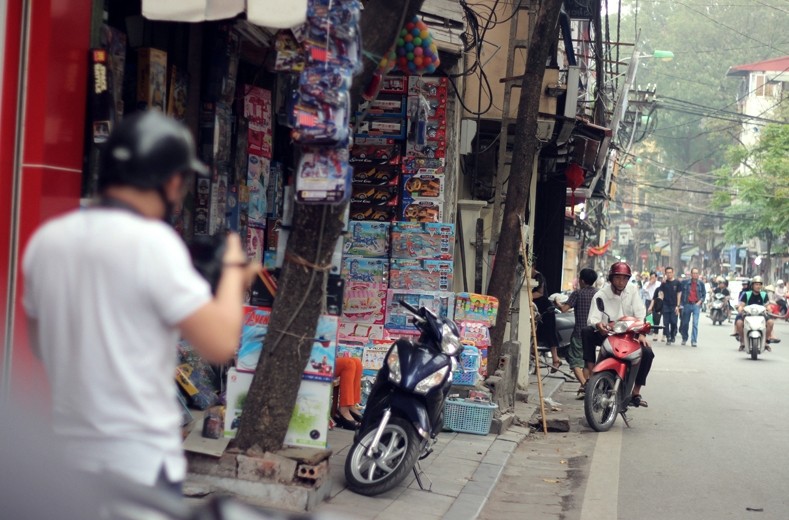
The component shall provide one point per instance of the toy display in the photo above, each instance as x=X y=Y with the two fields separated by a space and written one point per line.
x=478 y=308
x=364 y=303
x=320 y=367
x=370 y=270
x=433 y=275
x=151 y=79
x=398 y=320
x=253 y=332
x=415 y=52
x=375 y=151
x=369 y=239
x=388 y=175
x=424 y=241
x=351 y=350
x=374 y=355
x=375 y=194
x=370 y=211
x=257 y=111
x=422 y=211
x=257 y=184
x=289 y=57
x=385 y=105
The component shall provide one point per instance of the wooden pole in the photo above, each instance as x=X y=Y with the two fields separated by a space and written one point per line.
x=534 y=348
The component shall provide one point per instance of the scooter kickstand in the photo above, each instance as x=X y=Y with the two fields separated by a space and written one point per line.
x=624 y=418
x=419 y=474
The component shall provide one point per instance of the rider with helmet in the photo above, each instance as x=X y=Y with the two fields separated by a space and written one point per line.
x=753 y=296
x=108 y=292
x=618 y=298
x=780 y=296
x=723 y=288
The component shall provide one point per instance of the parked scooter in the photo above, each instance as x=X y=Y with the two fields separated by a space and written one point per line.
x=754 y=328
x=610 y=388
x=405 y=408
x=718 y=313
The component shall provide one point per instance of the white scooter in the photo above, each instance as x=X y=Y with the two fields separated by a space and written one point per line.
x=754 y=328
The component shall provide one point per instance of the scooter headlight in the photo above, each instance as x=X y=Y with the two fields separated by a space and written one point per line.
x=620 y=327
x=431 y=381
x=393 y=362
x=450 y=343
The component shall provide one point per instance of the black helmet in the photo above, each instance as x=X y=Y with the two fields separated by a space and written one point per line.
x=145 y=149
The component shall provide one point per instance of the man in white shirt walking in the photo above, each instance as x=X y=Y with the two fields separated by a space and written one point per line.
x=108 y=290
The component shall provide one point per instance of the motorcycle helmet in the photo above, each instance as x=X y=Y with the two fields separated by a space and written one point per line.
x=145 y=150
x=756 y=279
x=779 y=282
x=619 y=268
x=721 y=279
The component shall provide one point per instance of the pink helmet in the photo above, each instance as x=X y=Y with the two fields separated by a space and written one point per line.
x=619 y=268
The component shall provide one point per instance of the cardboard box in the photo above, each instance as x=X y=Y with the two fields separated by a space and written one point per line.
x=309 y=423
x=423 y=186
x=433 y=275
x=151 y=79
x=368 y=239
x=398 y=319
x=425 y=210
x=426 y=241
x=359 y=332
x=364 y=303
x=361 y=269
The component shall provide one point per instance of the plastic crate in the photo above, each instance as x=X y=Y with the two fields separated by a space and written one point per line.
x=468 y=417
x=468 y=371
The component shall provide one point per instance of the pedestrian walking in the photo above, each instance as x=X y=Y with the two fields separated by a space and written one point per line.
x=580 y=301
x=650 y=286
x=692 y=296
x=108 y=291
x=672 y=292
x=546 y=327
x=656 y=309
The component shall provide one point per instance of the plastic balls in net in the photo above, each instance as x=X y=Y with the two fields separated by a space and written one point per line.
x=415 y=51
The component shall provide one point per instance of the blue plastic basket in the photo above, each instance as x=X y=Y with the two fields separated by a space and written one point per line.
x=468 y=371
x=468 y=417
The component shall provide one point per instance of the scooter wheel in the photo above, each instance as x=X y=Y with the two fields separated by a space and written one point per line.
x=394 y=457
x=601 y=404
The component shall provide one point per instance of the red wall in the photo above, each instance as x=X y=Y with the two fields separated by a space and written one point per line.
x=54 y=118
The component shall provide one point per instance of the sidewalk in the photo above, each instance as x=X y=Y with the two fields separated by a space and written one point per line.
x=464 y=469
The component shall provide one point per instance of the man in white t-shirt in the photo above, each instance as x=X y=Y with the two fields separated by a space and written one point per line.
x=109 y=289
x=619 y=298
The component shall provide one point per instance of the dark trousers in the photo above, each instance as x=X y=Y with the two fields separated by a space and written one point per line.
x=670 y=324
x=591 y=339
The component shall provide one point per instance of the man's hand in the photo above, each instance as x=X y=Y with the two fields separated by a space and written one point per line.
x=642 y=340
x=602 y=328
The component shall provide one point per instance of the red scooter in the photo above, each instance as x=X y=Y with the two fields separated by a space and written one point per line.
x=609 y=389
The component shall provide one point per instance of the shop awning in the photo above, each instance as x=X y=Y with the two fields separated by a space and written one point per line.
x=266 y=13
x=660 y=246
x=689 y=253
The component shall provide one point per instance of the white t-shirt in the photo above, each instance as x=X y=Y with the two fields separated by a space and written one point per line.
x=628 y=303
x=107 y=288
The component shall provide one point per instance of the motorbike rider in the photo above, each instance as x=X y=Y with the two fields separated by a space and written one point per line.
x=619 y=298
x=723 y=288
x=754 y=296
x=109 y=289
x=780 y=295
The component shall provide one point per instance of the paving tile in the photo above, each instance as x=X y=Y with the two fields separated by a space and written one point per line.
x=466 y=507
x=418 y=504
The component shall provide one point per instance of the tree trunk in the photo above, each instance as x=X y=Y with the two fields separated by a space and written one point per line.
x=675 y=243
x=315 y=230
x=524 y=155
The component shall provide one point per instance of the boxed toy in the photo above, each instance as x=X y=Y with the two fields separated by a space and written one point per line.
x=151 y=79
x=413 y=164
x=375 y=151
x=423 y=185
x=310 y=420
x=425 y=210
x=253 y=332
x=375 y=354
x=430 y=87
x=257 y=182
x=369 y=239
x=323 y=175
x=370 y=211
x=395 y=84
x=364 y=303
x=433 y=149
x=479 y=308
x=432 y=275
x=359 y=332
x=177 y=93
x=350 y=350
x=309 y=424
x=398 y=319
x=382 y=127
x=378 y=195
x=320 y=367
x=256 y=238
x=361 y=269
x=257 y=110
x=384 y=105
x=426 y=241
x=387 y=175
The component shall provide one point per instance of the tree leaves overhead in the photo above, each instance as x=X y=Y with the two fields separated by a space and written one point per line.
x=707 y=38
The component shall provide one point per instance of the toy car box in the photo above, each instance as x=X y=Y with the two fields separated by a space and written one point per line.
x=375 y=151
x=423 y=186
x=425 y=210
x=386 y=175
x=370 y=211
x=426 y=241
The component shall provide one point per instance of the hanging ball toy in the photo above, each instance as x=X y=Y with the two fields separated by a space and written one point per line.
x=415 y=49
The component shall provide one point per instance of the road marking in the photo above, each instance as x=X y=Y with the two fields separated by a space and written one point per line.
x=601 y=498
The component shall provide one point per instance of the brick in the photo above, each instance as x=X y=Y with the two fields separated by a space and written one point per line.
x=313 y=472
x=268 y=467
x=224 y=466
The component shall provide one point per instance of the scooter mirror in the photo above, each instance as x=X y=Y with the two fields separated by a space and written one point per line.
x=600 y=304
